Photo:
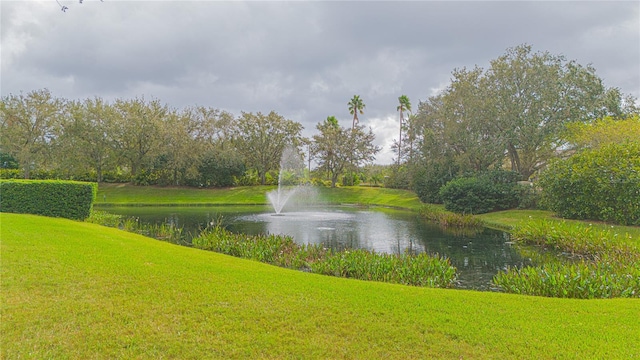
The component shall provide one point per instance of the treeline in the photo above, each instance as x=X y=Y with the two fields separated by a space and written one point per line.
x=147 y=142
x=466 y=147
x=513 y=116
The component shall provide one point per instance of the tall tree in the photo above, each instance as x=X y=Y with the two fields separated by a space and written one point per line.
x=405 y=105
x=261 y=139
x=28 y=124
x=356 y=105
x=138 y=132
x=86 y=141
x=518 y=107
x=535 y=95
x=338 y=150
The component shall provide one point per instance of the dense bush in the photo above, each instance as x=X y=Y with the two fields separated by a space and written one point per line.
x=598 y=184
x=68 y=199
x=427 y=181
x=398 y=178
x=11 y=174
x=484 y=192
x=220 y=169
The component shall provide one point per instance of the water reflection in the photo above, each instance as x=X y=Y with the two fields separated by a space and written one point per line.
x=477 y=255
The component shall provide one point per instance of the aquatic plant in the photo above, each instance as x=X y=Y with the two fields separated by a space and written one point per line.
x=410 y=269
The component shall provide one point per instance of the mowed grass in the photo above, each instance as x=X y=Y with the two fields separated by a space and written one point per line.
x=74 y=290
x=127 y=194
x=509 y=218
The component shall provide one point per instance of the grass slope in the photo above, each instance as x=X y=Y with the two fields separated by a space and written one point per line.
x=509 y=218
x=127 y=194
x=77 y=290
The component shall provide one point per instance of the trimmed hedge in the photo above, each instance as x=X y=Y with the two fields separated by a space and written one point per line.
x=55 y=198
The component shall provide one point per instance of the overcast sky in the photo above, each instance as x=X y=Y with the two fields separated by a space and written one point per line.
x=304 y=60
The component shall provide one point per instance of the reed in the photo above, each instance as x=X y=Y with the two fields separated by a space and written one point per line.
x=608 y=266
x=449 y=219
x=410 y=269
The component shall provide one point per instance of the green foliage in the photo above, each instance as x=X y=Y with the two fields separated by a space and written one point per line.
x=598 y=184
x=338 y=150
x=609 y=265
x=581 y=280
x=518 y=107
x=445 y=218
x=482 y=193
x=427 y=180
x=220 y=169
x=398 y=178
x=8 y=162
x=604 y=131
x=410 y=269
x=11 y=174
x=68 y=199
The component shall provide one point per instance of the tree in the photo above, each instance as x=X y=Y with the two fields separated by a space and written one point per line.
x=28 y=124
x=219 y=169
x=355 y=105
x=85 y=142
x=338 y=150
x=535 y=96
x=405 y=105
x=138 y=131
x=518 y=107
x=181 y=147
x=260 y=139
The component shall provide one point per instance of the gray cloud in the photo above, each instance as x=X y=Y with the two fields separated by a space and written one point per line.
x=302 y=59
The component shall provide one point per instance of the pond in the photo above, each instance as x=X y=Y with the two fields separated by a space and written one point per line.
x=478 y=256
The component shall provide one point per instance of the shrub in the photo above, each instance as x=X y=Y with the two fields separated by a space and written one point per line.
x=55 y=198
x=597 y=184
x=428 y=180
x=11 y=174
x=219 y=169
x=398 y=178
x=489 y=191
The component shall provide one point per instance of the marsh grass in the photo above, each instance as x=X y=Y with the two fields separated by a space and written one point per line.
x=581 y=280
x=409 y=269
x=164 y=231
x=449 y=219
x=608 y=266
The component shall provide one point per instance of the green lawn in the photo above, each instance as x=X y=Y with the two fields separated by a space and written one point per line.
x=77 y=290
x=509 y=218
x=126 y=194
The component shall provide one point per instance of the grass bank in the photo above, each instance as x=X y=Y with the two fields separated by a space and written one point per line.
x=127 y=194
x=78 y=290
x=509 y=218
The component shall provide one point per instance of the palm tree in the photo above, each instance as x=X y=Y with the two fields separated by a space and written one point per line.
x=355 y=105
x=405 y=105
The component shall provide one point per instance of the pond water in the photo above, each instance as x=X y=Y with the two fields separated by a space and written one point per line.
x=477 y=256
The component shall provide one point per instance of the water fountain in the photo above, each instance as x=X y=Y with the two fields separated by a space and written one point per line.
x=291 y=170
